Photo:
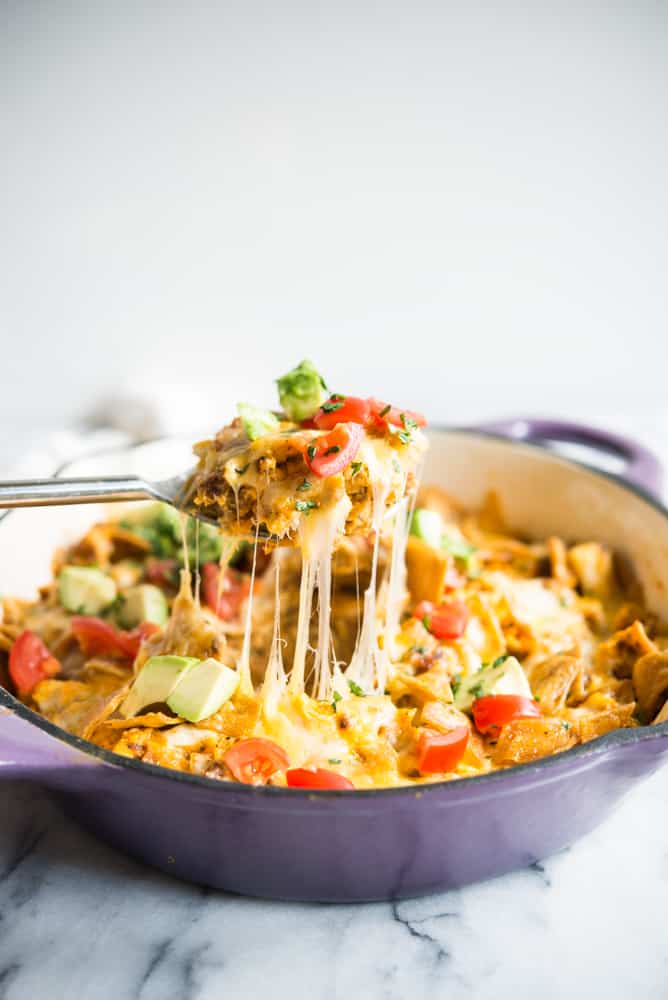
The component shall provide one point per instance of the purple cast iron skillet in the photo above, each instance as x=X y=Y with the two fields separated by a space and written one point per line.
x=386 y=843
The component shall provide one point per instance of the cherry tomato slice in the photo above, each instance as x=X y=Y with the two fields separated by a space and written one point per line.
x=493 y=711
x=236 y=587
x=383 y=413
x=342 y=410
x=333 y=452
x=317 y=777
x=30 y=662
x=96 y=636
x=253 y=761
x=441 y=752
x=444 y=621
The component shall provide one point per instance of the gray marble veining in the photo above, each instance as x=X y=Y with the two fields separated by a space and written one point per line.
x=79 y=920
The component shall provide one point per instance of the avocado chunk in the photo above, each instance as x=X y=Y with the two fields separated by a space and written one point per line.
x=428 y=526
x=202 y=690
x=144 y=603
x=85 y=590
x=302 y=391
x=155 y=682
x=256 y=422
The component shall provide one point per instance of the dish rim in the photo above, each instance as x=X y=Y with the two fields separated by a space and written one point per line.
x=617 y=738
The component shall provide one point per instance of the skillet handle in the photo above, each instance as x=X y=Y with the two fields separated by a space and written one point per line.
x=26 y=751
x=641 y=466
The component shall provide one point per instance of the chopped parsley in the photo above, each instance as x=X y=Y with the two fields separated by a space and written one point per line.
x=304 y=485
x=385 y=410
x=355 y=468
x=566 y=725
x=356 y=689
x=404 y=437
x=241 y=471
x=311 y=451
x=333 y=404
x=408 y=422
x=304 y=506
x=333 y=760
x=333 y=450
x=336 y=698
x=478 y=690
x=499 y=660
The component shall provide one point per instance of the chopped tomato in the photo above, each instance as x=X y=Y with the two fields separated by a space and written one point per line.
x=493 y=711
x=96 y=636
x=383 y=413
x=342 y=410
x=440 y=752
x=445 y=621
x=333 y=452
x=254 y=761
x=30 y=662
x=162 y=571
x=317 y=777
x=226 y=602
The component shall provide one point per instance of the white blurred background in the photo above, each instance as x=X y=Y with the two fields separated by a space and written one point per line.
x=459 y=207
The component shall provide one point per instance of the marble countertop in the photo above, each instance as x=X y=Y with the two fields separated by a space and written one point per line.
x=79 y=919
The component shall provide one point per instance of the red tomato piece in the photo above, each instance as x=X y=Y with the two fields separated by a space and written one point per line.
x=317 y=777
x=253 y=761
x=342 y=410
x=235 y=589
x=493 y=711
x=445 y=621
x=30 y=662
x=333 y=452
x=383 y=413
x=96 y=636
x=441 y=752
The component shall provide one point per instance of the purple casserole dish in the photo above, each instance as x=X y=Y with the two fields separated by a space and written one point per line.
x=386 y=843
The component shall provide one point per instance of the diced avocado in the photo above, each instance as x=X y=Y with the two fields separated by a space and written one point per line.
x=155 y=682
x=427 y=525
x=256 y=422
x=145 y=603
x=504 y=676
x=202 y=690
x=302 y=391
x=85 y=590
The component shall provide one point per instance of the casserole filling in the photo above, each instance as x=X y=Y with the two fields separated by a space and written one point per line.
x=381 y=636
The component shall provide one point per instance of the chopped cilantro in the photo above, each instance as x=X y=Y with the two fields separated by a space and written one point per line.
x=566 y=725
x=336 y=698
x=333 y=450
x=408 y=422
x=304 y=485
x=333 y=760
x=241 y=471
x=355 y=468
x=478 y=690
x=404 y=437
x=356 y=689
x=333 y=404
x=311 y=451
x=499 y=660
x=304 y=506
x=385 y=410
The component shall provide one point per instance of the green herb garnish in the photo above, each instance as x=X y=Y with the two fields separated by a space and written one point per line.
x=304 y=485
x=385 y=410
x=355 y=468
x=311 y=451
x=241 y=471
x=333 y=404
x=356 y=689
x=333 y=450
x=333 y=760
x=336 y=698
x=404 y=437
x=304 y=506
x=408 y=422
